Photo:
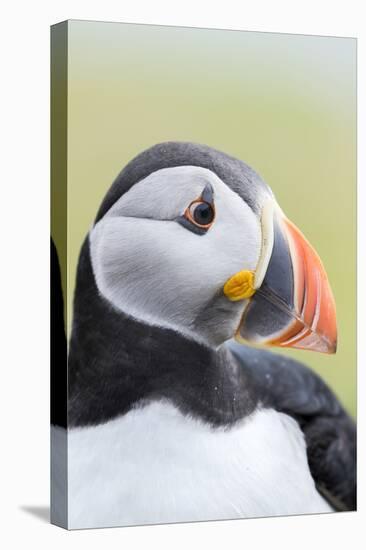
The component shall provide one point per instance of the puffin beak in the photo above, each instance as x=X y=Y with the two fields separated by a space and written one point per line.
x=292 y=304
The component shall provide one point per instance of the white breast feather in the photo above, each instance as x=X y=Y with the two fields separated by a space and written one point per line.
x=155 y=465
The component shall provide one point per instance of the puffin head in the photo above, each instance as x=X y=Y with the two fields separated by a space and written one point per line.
x=191 y=239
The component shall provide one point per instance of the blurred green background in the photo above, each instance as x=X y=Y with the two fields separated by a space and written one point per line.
x=285 y=104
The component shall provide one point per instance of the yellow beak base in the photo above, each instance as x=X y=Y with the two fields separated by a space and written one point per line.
x=240 y=286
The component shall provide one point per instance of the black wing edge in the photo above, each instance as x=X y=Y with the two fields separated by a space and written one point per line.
x=330 y=433
x=58 y=346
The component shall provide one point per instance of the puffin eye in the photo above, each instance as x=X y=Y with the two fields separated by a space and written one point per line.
x=200 y=213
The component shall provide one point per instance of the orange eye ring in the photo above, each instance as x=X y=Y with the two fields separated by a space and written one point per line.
x=200 y=213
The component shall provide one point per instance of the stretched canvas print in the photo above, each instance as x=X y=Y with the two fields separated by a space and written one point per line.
x=203 y=327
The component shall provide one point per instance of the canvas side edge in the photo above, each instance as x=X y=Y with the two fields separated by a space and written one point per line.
x=59 y=89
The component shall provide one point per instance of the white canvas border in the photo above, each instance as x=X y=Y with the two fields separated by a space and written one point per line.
x=24 y=238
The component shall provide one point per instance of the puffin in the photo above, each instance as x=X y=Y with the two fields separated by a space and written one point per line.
x=177 y=411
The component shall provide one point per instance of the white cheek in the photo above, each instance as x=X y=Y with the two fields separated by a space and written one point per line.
x=160 y=272
x=143 y=268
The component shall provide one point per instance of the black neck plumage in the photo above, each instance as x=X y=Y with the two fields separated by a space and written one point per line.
x=117 y=363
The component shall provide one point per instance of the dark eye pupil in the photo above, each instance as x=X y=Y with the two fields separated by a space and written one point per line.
x=203 y=213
